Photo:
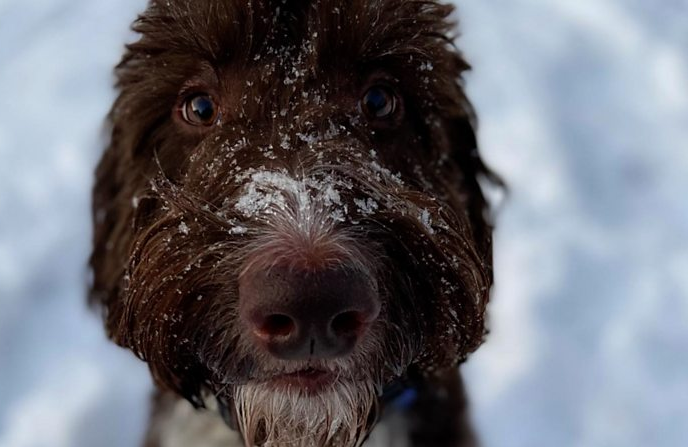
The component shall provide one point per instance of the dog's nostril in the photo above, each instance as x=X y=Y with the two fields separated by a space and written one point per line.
x=276 y=325
x=347 y=323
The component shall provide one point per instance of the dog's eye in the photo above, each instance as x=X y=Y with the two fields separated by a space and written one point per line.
x=199 y=110
x=379 y=102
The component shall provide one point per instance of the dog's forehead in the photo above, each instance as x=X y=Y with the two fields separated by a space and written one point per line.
x=333 y=32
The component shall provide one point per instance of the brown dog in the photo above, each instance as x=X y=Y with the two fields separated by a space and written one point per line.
x=289 y=226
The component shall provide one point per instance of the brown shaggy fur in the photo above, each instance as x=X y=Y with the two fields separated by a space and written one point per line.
x=172 y=239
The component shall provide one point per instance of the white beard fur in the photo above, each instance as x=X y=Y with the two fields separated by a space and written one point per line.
x=184 y=426
x=290 y=418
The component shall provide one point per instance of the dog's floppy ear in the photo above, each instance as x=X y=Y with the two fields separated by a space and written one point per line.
x=476 y=175
x=106 y=220
x=112 y=214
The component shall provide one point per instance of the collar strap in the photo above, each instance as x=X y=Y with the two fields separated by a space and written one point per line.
x=399 y=395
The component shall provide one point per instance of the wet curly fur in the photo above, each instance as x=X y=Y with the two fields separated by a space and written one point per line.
x=293 y=169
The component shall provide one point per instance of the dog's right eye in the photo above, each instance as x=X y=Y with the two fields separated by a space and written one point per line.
x=200 y=110
x=380 y=103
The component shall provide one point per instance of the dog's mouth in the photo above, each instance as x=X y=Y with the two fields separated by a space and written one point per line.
x=309 y=380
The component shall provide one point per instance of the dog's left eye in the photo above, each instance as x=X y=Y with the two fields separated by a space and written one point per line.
x=379 y=102
x=200 y=110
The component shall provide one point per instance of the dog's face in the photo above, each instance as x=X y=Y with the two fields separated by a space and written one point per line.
x=288 y=215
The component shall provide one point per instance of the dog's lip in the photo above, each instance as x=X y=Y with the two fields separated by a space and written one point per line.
x=312 y=380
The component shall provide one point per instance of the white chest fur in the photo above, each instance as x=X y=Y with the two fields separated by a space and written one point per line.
x=186 y=427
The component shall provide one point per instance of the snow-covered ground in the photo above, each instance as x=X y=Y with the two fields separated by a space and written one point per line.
x=584 y=110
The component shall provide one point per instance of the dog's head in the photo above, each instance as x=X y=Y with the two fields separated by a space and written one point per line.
x=289 y=213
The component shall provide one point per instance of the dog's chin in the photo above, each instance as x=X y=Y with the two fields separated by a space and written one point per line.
x=305 y=409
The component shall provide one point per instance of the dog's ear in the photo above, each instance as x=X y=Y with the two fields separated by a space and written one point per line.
x=112 y=214
x=475 y=176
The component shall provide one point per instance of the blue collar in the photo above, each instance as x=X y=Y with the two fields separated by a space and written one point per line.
x=399 y=395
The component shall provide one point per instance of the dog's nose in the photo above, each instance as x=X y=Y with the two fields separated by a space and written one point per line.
x=299 y=315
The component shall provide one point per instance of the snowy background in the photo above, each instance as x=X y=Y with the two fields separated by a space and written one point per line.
x=584 y=110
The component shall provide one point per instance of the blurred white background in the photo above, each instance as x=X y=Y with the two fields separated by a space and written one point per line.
x=584 y=111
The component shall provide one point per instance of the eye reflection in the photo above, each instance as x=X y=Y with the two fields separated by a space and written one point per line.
x=200 y=110
x=379 y=102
